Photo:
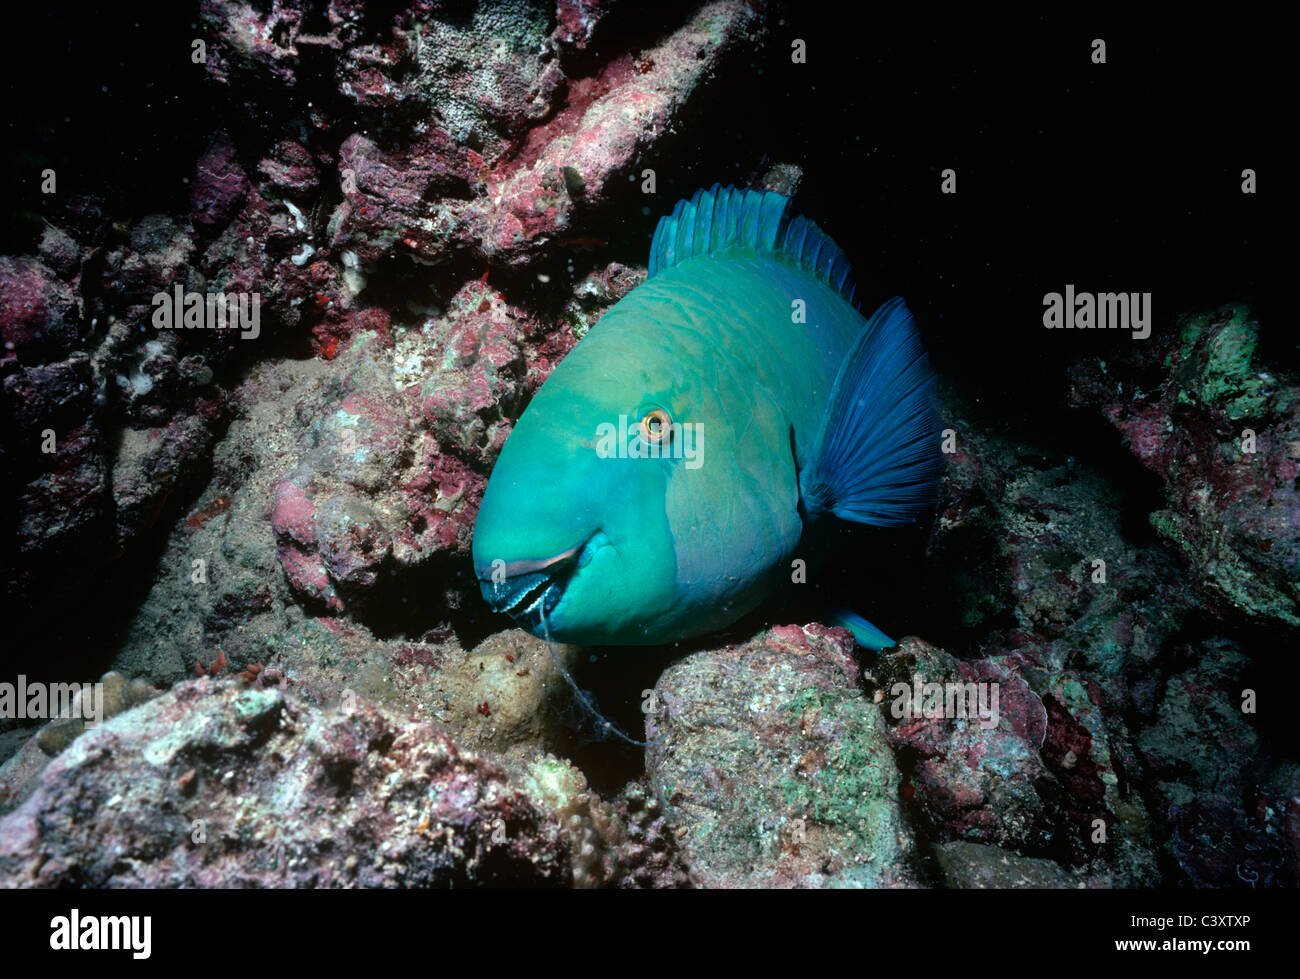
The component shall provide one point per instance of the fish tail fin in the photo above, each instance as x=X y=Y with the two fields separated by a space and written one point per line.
x=866 y=634
x=877 y=456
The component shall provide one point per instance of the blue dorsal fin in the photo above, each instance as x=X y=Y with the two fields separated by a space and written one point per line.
x=728 y=217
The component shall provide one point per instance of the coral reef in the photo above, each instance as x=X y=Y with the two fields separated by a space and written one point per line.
x=1222 y=433
x=270 y=536
x=777 y=768
x=171 y=794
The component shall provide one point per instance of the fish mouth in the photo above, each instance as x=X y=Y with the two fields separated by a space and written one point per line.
x=529 y=590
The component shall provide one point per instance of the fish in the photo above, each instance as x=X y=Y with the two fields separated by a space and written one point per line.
x=699 y=441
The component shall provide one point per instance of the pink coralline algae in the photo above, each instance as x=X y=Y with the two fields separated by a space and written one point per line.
x=394 y=464
x=38 y=311
x=219 y=185
x=518 y=149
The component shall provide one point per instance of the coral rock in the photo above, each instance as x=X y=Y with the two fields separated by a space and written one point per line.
x=170 y=795
x=775 y=769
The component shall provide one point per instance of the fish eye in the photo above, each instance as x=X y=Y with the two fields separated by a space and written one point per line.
x=656 y=426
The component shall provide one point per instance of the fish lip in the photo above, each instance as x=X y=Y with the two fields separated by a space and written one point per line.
x=515 y=569
x=534 y=615
x=534 y=588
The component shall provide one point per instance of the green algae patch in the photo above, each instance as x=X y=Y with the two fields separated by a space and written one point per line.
x=258 y=709
x=851 y=782
x=777 y=770
x=1224 y=373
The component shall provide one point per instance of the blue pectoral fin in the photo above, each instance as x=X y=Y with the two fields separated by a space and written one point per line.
x=877 y=456
x=866 y=634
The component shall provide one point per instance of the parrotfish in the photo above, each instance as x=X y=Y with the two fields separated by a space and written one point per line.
x=699 y=440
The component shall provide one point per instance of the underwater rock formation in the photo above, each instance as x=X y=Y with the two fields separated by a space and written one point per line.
x=1035 y=776
x=777 y=767
x=1223 y=433
x=515 y=148
x=1104 y=648
x=171 y=795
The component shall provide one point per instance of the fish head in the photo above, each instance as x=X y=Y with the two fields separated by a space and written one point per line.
x=603 y=493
